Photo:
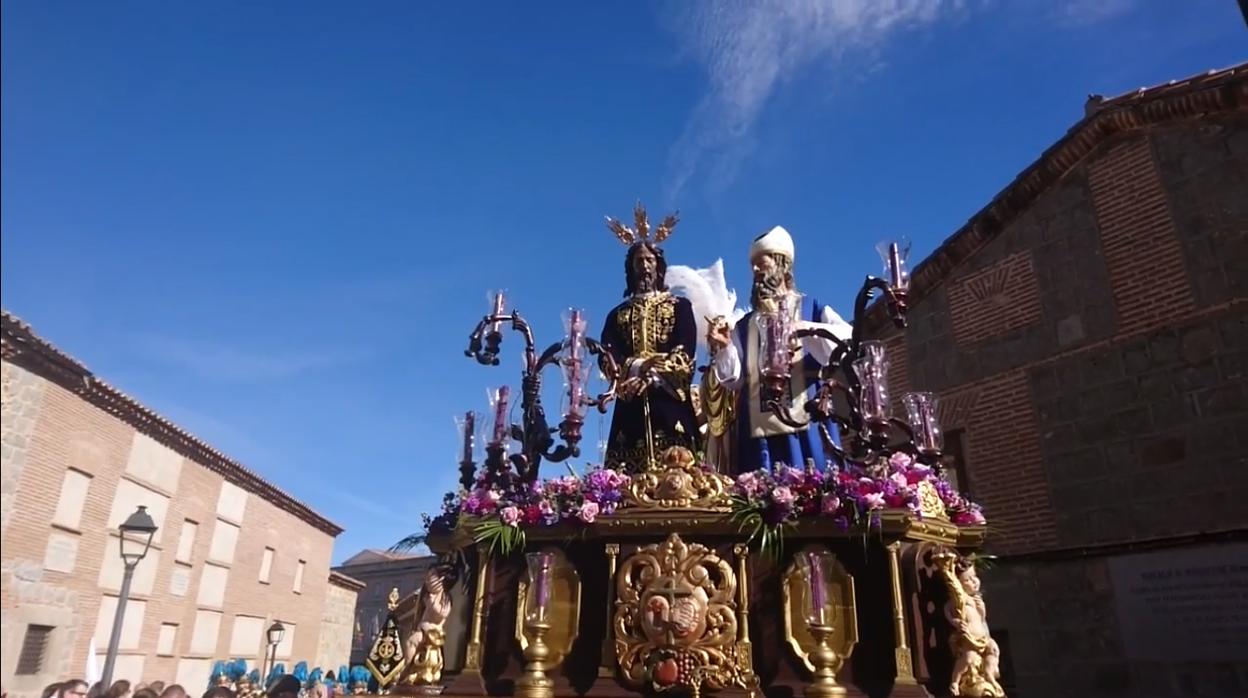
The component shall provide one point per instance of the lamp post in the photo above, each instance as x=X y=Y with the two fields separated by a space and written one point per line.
x=136 y=539
x=275 y=634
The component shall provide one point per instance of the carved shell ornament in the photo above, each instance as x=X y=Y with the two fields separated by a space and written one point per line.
x=679 y=482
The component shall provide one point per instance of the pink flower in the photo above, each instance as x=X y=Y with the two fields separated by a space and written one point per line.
x=783 y=495
x=830 y=504
x=510 y=516
x=588 y=512
x=874 y=500
x=900 y=460
x=900 y=480
x=492 y=496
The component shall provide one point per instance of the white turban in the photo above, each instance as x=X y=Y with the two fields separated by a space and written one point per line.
x=775 y=241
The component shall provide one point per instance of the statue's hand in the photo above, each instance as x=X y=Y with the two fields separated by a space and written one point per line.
x=718 y=334
x=631 y=388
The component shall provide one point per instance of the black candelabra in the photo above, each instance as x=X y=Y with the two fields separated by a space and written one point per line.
x=536 y=437
x=855 y=371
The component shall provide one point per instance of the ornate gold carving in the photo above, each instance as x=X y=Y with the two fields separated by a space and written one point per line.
x=565 y=609
x=675 y=620
x=901 y=649
x=930 y=504
x=844 y=618
x=976 y=657
x=606 y=666
x=648 y=319
x=472 y=657
x=425 y=644
x=640 y=232
x=678 y=482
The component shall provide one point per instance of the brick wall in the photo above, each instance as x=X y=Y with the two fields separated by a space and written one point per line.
x=1141 y=250
x=1117 y=415
x=70 y=432
x=1087 y=304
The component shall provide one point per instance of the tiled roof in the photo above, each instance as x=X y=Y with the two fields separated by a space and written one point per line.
x=23 y=347
x=1222 y=90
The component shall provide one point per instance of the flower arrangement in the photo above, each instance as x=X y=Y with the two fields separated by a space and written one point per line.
x=502 y=509
x=766 y=503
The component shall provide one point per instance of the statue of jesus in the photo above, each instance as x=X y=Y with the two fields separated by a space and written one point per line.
x=652 y=337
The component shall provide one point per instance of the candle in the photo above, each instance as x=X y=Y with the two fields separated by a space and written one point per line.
x=818 y=589
x=921 y=413
x=499 y=305
x=500 y=415
x=894 y=265
x=543 y=582
x=470 y=427
x=573 y=364
x=872 y=370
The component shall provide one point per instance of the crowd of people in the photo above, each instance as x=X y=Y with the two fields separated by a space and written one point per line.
x=287 y=686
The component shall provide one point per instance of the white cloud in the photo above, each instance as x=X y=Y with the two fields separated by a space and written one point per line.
x=221 y=361
x=1085 y=12
x=749 y=48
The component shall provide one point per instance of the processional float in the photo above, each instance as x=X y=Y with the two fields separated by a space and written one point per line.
x=664 y=576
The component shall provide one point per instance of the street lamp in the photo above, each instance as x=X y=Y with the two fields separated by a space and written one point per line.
x=136 y=539
x=275 y=634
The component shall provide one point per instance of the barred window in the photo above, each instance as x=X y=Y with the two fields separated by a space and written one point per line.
x=34 y=645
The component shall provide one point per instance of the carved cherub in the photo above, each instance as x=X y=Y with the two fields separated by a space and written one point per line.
x=425 y=644
x=976 y=656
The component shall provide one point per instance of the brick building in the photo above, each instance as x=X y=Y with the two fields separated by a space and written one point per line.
x=1086 y=333
x=232 y=553
x=379 y=571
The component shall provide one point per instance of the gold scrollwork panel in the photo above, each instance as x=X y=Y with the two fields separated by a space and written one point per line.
x=795 y=593
x=565 y=608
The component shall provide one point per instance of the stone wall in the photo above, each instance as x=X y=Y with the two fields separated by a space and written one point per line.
x=21 y=395
x=1145 y=438
x=337 y=626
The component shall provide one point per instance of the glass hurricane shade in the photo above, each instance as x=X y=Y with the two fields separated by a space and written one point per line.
x=537 y=596
x=921 y=414
x=498 y=306
x=276 y=632
x=575 y=372
x=775 y=339
x=818 y=572
x=872 y=372
x=136 y=536
x=468 y=427
x=894 y=253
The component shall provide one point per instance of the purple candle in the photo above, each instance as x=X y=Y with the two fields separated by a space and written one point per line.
x=470 y=427
x=543 y=582
x=573 y=364
x=500 y=415
x=818 y=590
x=894 y=265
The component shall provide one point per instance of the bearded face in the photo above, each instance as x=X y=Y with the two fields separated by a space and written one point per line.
x=773 y=278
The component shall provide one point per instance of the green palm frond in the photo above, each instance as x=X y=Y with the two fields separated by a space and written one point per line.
x=409 y=542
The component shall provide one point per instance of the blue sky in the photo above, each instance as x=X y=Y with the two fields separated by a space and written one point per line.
x=276 y=223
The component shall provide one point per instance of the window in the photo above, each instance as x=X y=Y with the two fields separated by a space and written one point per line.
x=34 y=645
x=167 y=639
x=186 y=541
x=224 y=540
x=266 y=565
x=955 y=461
x=299 y=577
x=73 y=494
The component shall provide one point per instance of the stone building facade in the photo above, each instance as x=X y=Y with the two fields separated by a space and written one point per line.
x=232 y=553
x=379 y=571
x=1087 y=335
x=338 y=621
